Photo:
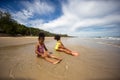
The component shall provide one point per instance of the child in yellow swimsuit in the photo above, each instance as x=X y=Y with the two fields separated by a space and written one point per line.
x=60 y=47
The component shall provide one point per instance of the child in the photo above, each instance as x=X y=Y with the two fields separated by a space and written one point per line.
x=60 y=47
x=42 y=51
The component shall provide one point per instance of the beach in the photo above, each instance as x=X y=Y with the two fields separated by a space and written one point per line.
x=98 y=59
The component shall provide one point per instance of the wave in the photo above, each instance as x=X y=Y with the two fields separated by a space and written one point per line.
x=108 y=38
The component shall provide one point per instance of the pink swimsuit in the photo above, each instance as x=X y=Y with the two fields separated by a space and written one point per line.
x=41 y=49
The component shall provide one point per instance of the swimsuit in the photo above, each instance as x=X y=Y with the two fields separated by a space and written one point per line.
x=57 y=45
x=41 y=49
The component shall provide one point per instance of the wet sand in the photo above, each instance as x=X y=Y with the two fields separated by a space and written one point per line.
x=96 y=61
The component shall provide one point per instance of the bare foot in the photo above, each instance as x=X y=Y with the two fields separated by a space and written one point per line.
x=59 y=59
x=74 y=53
x=56 y=62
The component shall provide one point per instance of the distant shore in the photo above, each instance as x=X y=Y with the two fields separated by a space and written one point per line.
x=12 y=41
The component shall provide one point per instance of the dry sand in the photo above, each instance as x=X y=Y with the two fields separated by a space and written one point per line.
x=95 y=61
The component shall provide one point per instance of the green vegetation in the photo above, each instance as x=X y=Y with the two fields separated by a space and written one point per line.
x=13 y=28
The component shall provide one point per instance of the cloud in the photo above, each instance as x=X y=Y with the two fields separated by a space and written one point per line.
x=22 y=16
x=30 y=10
x=106 y=20
x=35 y=23
x=92 y=8
x=82 y=14
x=38 y=7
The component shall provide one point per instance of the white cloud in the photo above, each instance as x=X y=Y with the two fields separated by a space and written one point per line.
x=91 y=8
x=78 y=14
x=35 y=23
x=30 y=9
x=22 y=16
x=38 y=7
x=106 y=20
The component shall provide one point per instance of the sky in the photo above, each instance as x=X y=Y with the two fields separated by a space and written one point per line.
x=73 y=17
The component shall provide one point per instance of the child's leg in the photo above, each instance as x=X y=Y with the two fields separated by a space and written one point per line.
x=51 y=61
x=68 y=49
x=71 y=52
x=65 y=50
x=54 y=57
x=45 y=56
x=51 y=56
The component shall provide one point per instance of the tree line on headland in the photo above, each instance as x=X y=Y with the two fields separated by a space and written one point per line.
x=13 y=28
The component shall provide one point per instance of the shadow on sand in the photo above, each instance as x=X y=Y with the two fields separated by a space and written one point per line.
x=106 y=79
x=5 y=78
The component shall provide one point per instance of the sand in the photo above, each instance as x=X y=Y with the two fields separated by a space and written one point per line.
x=96 y=61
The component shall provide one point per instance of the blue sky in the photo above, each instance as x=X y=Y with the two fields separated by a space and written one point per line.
x=72 y=17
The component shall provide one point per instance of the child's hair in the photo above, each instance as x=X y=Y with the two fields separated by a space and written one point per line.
x=41 y=35
x=57 y=37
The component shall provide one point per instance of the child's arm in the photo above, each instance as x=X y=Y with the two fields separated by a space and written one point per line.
x=45 y=48
x=61 y=45
x=36 y=49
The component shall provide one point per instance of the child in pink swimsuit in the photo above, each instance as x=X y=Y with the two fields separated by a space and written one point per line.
x=42 y=51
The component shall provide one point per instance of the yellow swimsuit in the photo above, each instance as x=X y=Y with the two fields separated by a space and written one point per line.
x=57 y=45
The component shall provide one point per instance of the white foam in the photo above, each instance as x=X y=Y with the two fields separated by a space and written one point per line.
x=109 y=38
